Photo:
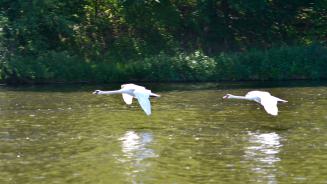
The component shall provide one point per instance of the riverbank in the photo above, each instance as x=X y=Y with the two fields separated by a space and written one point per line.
x=278 y=63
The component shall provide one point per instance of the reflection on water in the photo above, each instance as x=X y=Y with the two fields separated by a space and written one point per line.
x=54 y=135
x=264 y=151
x=135 y=147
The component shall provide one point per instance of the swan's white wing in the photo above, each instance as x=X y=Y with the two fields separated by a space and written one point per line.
x=128 y=99
x=131 y=86
x=143 y=99
x=270 y=105
x=257 y=94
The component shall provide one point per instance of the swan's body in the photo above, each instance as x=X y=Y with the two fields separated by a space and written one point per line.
x=130 y=91
x=268 y=101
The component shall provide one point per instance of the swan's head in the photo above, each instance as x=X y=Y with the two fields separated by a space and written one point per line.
x=96 y=92
x=227 y=96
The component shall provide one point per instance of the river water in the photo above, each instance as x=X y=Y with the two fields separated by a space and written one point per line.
x=64 y=134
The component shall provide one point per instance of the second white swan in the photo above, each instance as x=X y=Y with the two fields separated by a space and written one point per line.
x=268 y=101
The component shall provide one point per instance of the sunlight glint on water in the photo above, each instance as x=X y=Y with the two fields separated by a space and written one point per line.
x=68 y=135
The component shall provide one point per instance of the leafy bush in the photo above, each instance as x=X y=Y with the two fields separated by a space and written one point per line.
x=47 y=67
x=179 y=67
x=280 y=63
x=298 y=62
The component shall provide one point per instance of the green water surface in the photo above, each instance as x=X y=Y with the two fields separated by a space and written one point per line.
x=61 y=134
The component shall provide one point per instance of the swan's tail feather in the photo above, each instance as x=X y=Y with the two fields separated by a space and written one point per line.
x=281 y=100
x=155 y=95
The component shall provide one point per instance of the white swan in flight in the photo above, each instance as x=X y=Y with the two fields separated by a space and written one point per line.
x=130 y=91
x=264 y=98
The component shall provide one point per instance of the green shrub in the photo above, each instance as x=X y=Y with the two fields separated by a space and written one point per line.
x=279 y=63
x=47 y=67
x=180 y=67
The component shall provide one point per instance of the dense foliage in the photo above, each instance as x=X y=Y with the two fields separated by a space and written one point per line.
x=162 y=40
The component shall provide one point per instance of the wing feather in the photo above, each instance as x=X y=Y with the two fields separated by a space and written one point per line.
x=132 y=86
x=128 y=99
x=270 y=105
x=143 y=99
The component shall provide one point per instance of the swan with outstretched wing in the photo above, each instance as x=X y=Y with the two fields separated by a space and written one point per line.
x=130 y=91
x=268 y=101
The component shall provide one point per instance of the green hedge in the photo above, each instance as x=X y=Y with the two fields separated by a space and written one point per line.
x=279 y=63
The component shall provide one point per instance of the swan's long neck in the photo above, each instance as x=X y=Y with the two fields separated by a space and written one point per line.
x=110 y=92
x=239 y=97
